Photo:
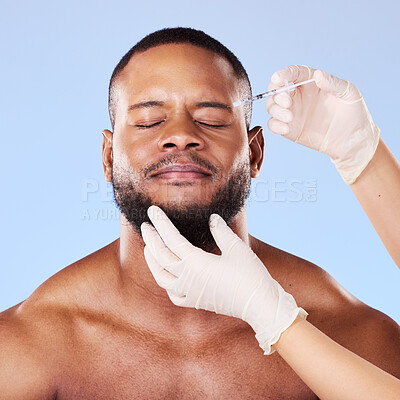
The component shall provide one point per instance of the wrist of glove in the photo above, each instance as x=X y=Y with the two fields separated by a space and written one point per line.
x=268 y=327
x=235 y=283
x=359 y=148
x=328 y=115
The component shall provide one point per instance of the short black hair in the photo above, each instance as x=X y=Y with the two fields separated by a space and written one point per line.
x=182 y=35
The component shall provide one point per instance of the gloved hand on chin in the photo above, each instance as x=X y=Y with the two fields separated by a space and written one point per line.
x=235 y=283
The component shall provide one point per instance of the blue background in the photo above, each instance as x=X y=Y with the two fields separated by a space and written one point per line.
x=56 y=61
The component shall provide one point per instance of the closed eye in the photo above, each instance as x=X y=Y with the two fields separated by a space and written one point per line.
x=149 y=126
x=212 y=126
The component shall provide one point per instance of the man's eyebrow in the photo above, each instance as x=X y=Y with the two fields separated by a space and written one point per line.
x=146 y=104
x=203 y=104
x=214 y=104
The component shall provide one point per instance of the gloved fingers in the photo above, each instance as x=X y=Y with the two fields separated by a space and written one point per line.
x=284 y=99
x=278 y=127
x=273 y=85
x=292 y=73
x=224 y=237
x=177 y=288
x=269 y=103
x=280 y=113
x=163 y=255
x=339 y=88
x=177 y=300
x=163 y=278
x=178 y=244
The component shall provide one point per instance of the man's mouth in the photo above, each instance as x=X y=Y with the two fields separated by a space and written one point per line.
x=182 y=171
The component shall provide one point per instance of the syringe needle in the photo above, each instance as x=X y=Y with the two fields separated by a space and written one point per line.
x=288 y=87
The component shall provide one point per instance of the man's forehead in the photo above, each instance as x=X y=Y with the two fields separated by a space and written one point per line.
x=178 y=64
x=176 y=52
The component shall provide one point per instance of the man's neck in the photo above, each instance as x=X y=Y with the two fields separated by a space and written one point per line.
x=151 y=304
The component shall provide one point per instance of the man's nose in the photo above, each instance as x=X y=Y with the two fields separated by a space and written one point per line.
x=181 y=134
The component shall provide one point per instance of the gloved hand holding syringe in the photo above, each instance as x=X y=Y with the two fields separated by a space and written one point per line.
x=329 y=116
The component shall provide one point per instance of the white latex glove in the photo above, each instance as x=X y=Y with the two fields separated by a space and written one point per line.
x=235 y=283
x=329 y=115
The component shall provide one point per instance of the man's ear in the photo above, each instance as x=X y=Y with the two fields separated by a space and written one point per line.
x=256 y=150
x=106 y=154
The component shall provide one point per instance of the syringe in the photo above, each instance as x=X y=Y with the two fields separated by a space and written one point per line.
x=289 y=86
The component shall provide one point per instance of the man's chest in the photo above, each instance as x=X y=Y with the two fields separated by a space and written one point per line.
x=115 y=371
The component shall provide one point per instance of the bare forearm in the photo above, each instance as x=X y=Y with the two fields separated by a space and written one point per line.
x=331 y=371
x=378 y=191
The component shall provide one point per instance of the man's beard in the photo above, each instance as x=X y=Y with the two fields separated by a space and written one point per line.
x=190 y=219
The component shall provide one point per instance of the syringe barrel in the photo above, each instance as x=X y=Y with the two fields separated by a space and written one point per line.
x=289 y=86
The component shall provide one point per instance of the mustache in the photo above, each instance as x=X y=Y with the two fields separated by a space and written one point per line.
x=173 y=158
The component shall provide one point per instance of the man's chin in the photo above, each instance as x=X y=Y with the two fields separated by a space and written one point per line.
x=183 y=206
x=192 y=222
x=183 y=195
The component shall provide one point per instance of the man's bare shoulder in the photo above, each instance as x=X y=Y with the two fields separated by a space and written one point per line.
x=36 y=335
x=311 y=286
x=77 y=288
x=78 y=283
x=332 y=309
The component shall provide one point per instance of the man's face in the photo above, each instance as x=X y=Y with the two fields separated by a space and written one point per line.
x=177 y=141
